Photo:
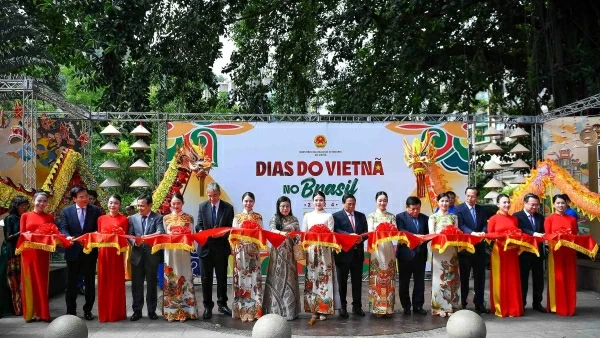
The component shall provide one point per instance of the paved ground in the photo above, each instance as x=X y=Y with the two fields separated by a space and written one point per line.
x=586 y=323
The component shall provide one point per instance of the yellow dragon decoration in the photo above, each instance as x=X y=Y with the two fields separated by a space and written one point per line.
x=420 y=156
x=548 y=174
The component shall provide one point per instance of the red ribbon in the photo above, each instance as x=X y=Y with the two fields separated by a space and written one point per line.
x=257 y=236
x=330 y=239
x=403 y=237
x=33 y=241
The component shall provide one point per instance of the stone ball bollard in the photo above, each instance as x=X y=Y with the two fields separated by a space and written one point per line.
x=67 y=326
x=466 y=324
x=272 y=326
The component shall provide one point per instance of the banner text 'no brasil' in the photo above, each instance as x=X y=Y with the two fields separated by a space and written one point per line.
x=316 y=168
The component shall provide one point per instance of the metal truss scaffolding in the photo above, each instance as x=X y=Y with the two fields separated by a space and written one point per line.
x=28 y=91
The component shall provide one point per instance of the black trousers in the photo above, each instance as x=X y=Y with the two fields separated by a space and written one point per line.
x=146 y=270
x=218 y=263
x=416 y=269
x=530 y=262
x=476 y=262
x=85 y=266
x=354 y=268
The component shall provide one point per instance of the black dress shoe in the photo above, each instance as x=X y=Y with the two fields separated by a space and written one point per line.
x=343 y=313
x=420 y=311
x=481 y=309
x=152 y=315
x=358 y=311
x=88 y=316
x=207 y=314
x=225 y=310
x=136 y=316
x=407 y=312
x=539 y=308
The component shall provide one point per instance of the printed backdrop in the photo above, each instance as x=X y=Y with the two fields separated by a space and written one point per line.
x=296 y=159
x=563 y=143
x=53 y=136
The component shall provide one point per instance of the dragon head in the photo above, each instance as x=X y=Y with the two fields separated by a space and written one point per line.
x=194 y=158
x=419 y=157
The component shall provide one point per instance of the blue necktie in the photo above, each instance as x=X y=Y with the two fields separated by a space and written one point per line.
x=214 y=216
x=144 y=224
x=416 y=225
x=532 y=222
x=81 y=217
x=474 y=216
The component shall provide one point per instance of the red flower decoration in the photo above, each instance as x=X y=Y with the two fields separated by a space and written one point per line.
x=47 y=229
x=249 y=224
x=179 y=230
x=114 y=230
x=386 y=227
x=319 y=228
x=451 y=230
x=83 y=139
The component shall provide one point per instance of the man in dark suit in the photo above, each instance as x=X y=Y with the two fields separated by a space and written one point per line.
x=144 y=264
x=76 y=220
x=472 y=219
x=412 y=262
x=532 y=223
x=349 y=221
x=214 y=255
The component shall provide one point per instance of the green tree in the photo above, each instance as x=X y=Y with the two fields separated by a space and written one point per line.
x=124 y=48
x=414 y=56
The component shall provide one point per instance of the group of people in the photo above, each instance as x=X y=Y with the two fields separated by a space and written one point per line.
x=327 y=272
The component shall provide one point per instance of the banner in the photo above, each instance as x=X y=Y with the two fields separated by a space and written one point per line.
x=297 y=159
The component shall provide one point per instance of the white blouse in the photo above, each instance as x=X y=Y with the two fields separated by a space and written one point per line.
x=317 y=217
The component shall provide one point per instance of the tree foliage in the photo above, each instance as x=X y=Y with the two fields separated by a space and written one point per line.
x=416 y=56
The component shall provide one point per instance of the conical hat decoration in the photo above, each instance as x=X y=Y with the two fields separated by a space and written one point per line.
x=140 y=131
x=109 y=148
x=139 y=145
x=109 y=182
x=110 y=130
x=109 y=165
x=140 y=183
x=139 y=165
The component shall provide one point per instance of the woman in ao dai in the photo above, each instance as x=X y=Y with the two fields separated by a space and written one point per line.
x=382 y=268
x=445 y=284
x=179 y=296
x=282 y=293
x=321 y=294
x=247 y=277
